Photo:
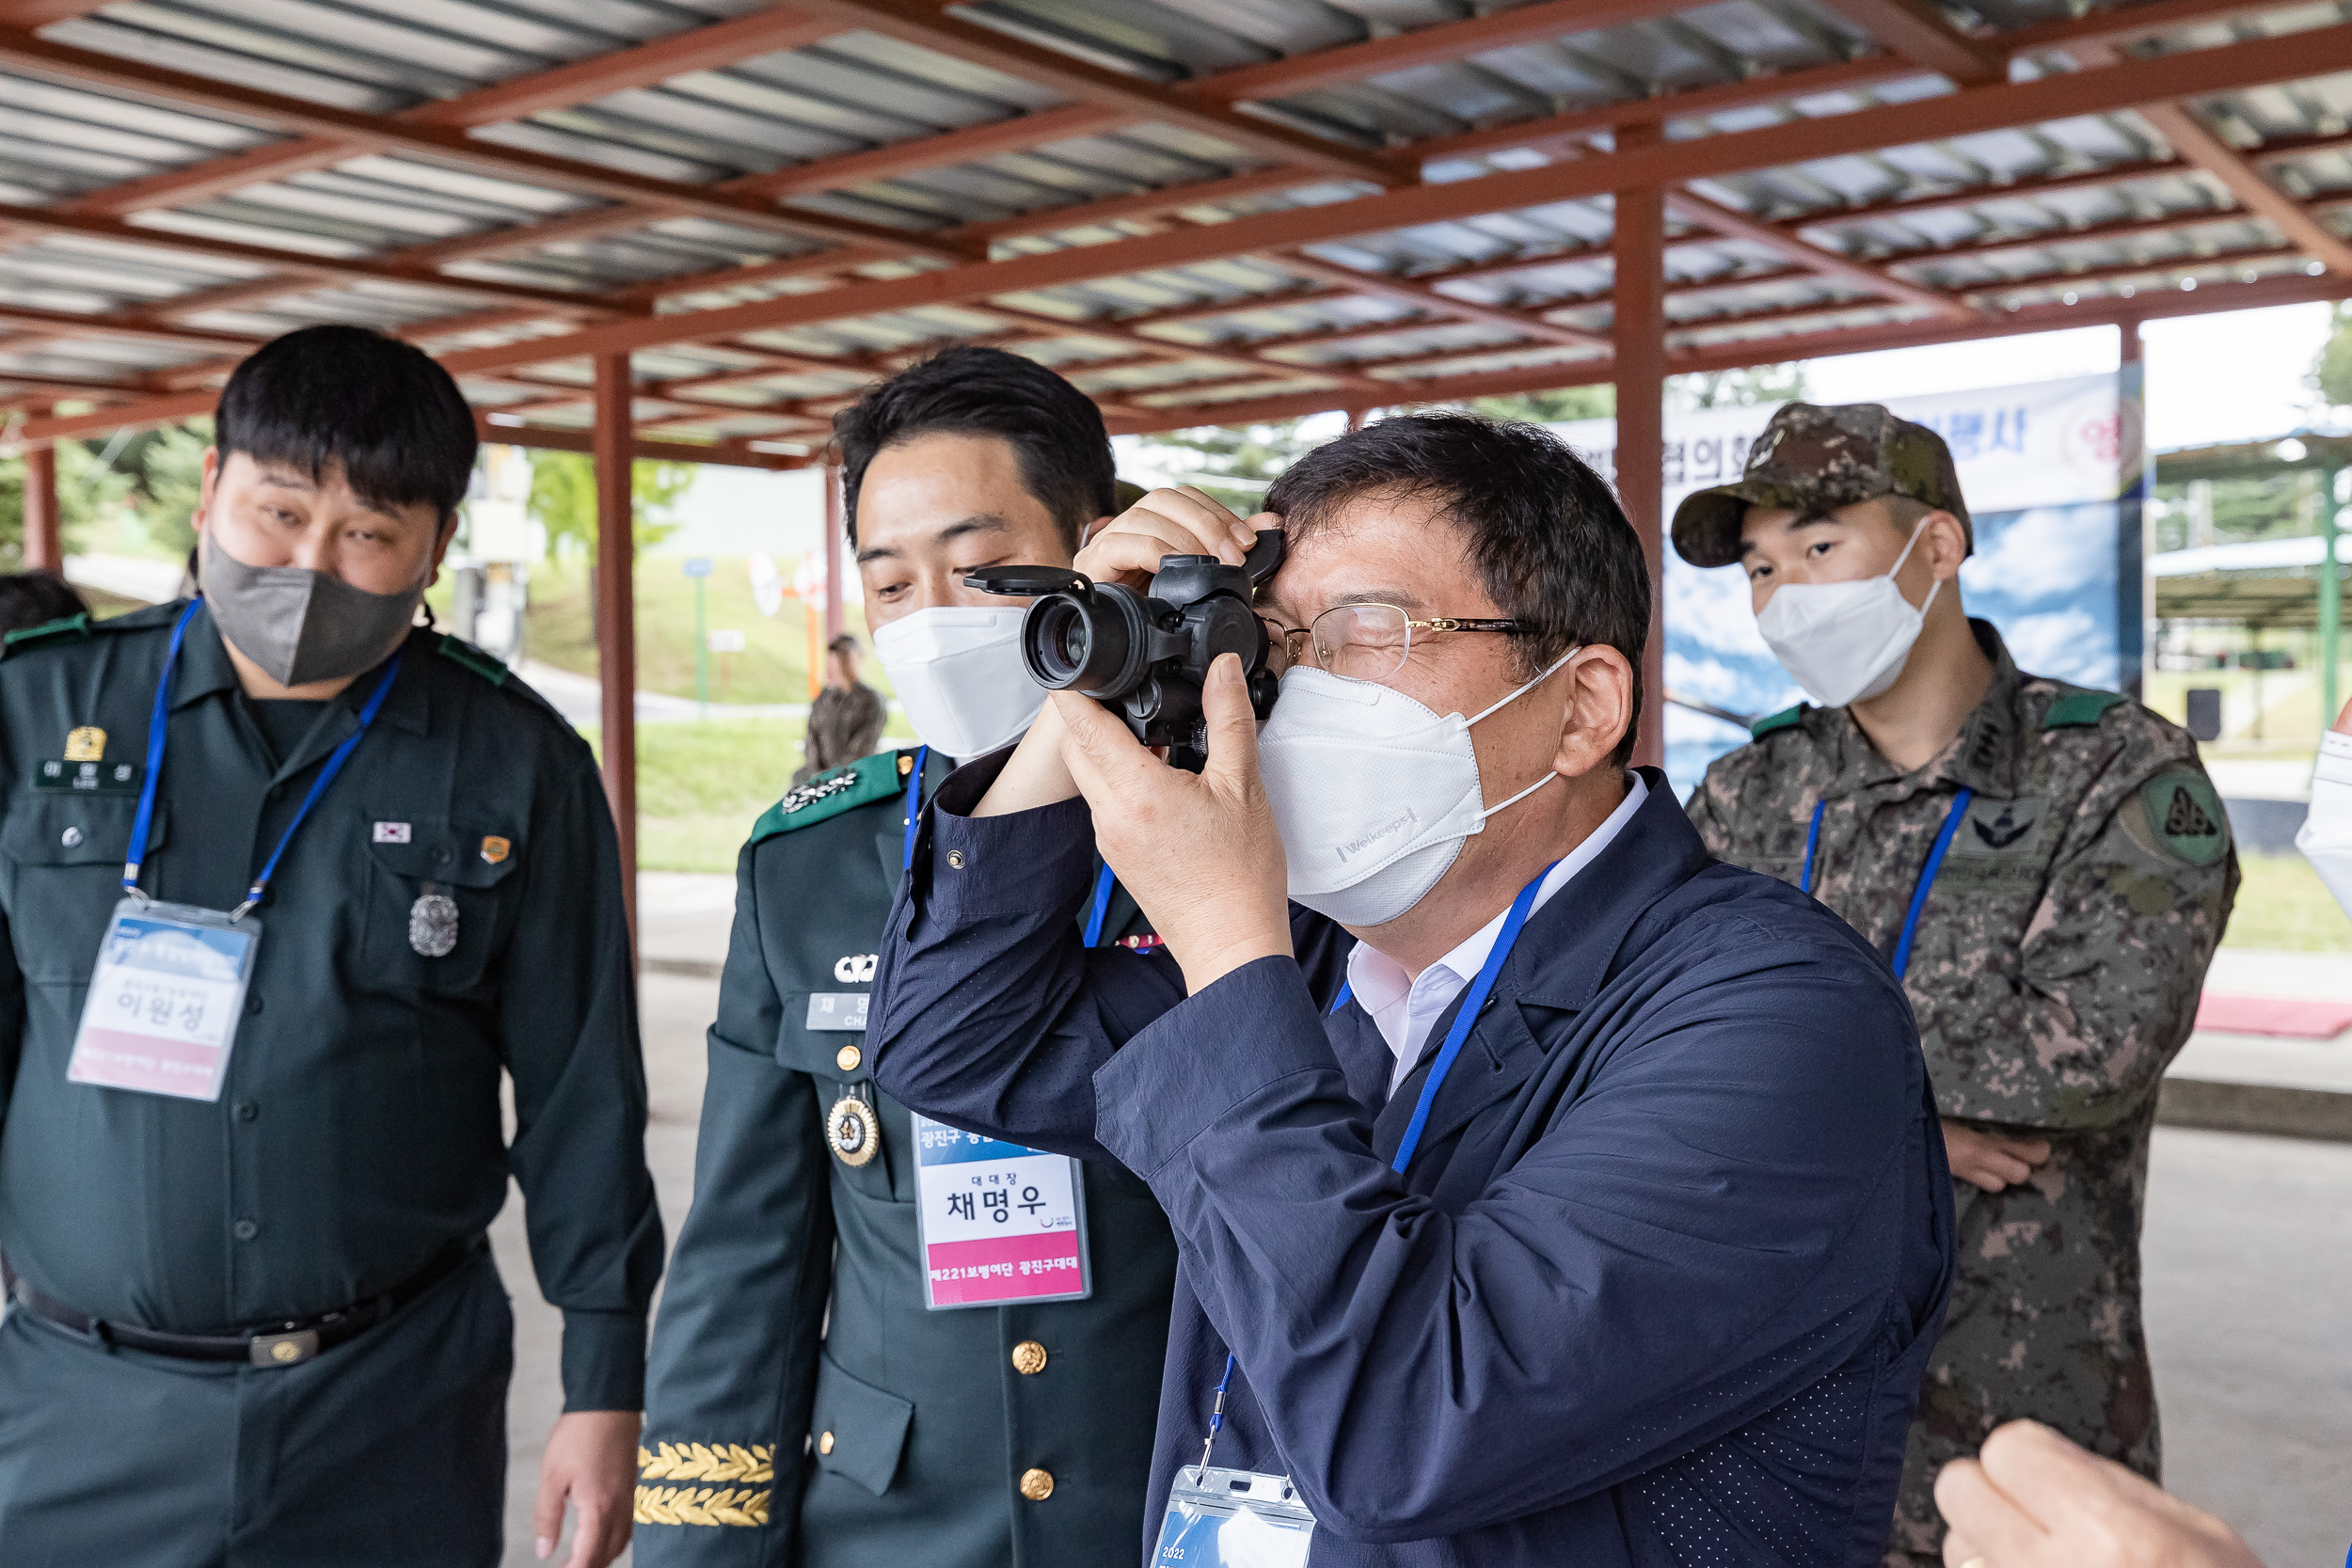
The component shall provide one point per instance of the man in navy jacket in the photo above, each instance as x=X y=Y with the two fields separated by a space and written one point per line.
x=1672 y=1231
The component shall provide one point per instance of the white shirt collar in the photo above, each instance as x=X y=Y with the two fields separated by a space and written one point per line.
x=1405 y=1007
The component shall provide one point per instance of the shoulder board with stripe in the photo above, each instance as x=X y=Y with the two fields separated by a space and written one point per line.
x=1786 y=719
x=460 y=652
x=864 y=782
x=71 y=627
x=2078 y=706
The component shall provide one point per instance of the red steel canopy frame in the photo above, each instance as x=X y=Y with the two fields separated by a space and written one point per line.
x=701 y=241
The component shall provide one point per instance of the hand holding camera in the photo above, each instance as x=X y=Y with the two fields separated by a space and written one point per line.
x=1154 y=601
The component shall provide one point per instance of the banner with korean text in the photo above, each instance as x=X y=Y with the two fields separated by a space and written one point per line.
x=2051 y=471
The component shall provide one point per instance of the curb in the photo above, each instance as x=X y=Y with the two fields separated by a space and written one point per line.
x=2280 y=1112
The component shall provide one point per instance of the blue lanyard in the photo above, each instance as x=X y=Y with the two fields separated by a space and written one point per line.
x=915 y=806
x=1927 y=873
x=1100 y=907
x=156 y=726
x=1471 y=1002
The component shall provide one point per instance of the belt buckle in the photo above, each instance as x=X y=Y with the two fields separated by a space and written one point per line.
x=283 y=1350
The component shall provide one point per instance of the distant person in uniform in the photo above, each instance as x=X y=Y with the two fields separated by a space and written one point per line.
x=289 y=884
x=847 y=1372
x=845 y=722
x=35 y=599
x=2045 y=866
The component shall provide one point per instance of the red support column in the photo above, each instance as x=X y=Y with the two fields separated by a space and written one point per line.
x=42 y=550
x=835 y=522
x=1638 y=247
x=616 y=611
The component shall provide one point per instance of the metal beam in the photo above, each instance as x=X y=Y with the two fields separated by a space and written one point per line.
x=25 y=50
x=42 y=552
x=1447 y=40
x=616 y=612
x=2189 y=138
x=1638 y=331
x=1424 y=296
x=1144 y=205
x=966 y=145
x=1917 y=31
x=729 y=456
x=927 y=25
x=1819 y=258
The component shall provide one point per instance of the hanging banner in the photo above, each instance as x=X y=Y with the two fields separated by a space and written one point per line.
x=2043 y=466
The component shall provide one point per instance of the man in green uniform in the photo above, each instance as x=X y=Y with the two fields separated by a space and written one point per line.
x=871 y=1350
x=2048 y=869
x=287 y=882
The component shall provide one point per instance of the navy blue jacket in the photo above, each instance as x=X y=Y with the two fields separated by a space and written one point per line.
x=1658 y=1284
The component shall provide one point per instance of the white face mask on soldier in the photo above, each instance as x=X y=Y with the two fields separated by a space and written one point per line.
x=1373 y=793
x=1845 y=641
x=958 y=673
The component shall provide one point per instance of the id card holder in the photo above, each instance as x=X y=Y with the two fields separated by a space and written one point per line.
x=163 y=1001
x=1000 y=1223
x=1217 y=1517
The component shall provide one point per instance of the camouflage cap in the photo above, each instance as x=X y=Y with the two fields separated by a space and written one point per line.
x=1812 y=459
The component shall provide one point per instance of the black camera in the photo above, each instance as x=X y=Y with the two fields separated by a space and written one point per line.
x=1147 y=654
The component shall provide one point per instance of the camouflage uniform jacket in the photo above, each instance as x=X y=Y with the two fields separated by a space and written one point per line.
x=2055 y=973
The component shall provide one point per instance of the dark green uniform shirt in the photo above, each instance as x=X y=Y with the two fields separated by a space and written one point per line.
x=357 y=1131
x=886 y=1434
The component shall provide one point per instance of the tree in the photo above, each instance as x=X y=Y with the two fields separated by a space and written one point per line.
x=89 y=491
x=1728 y=388
x=169 y=464
x=563 y=499
x=1555 y=407
x=1255 y=455
x=2331 y=372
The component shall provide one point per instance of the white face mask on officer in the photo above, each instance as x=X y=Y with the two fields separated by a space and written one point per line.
x=959 y=675
x=1373 y=793
x=1845 y=641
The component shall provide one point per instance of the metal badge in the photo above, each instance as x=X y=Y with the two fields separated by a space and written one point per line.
x=432 y=923
x=853 y=1129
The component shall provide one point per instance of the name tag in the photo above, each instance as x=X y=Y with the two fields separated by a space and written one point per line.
x=1000 y=1223
x=836 y=1010
x=87 y=778
x=163 y=1001
x=1218 y=1516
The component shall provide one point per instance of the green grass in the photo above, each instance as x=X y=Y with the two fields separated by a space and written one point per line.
x=700 y=786
x=2284 y=904
x=772 y=667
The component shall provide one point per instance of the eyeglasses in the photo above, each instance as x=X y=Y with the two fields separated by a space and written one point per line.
x=1364 y=642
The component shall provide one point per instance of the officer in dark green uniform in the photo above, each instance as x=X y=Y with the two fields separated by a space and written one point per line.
x=871 y=1350
x=287 y=882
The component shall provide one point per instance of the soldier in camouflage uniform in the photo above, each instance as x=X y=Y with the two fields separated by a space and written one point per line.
x=2048 y=869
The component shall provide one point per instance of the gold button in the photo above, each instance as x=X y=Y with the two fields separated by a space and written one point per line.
x=824 y=1442
x=1028 y=1358
x=1037 y=1485
x=955 y=858
x=847 y=1057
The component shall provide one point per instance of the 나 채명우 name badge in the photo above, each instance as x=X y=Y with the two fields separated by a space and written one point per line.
x=1000 y=1223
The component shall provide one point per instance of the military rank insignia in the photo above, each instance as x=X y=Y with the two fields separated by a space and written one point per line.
x=823 y=787
x=853 y=1129
x=432 y=922
x=86 y=743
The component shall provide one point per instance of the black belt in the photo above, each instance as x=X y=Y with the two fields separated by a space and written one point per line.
x=285 y=1344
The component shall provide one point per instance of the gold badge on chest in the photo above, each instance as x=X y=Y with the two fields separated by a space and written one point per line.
x=853 y=1129
x=86 y=743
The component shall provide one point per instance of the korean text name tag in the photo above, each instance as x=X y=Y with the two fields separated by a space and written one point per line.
x=164 y=1000
x=836 y=1010
x=1000 y=1223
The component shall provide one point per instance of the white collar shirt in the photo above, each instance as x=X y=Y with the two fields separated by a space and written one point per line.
x=1404 y=1007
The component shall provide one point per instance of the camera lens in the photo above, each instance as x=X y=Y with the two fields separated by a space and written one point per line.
x=1084 y=642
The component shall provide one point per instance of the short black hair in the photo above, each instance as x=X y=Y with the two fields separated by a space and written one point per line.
x=1055 y=429
x=845 y=643
x=382 y=409
x=1546 y=532
x=35 y=599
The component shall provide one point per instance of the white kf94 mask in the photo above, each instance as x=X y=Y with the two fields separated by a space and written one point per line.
x=959 y=675
x=1845 y=641
x=1373 y=793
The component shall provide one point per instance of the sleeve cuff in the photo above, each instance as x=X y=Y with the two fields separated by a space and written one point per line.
x=981 y=867
x=604 y=1361
x=1203 y=1057
x=2335 y=758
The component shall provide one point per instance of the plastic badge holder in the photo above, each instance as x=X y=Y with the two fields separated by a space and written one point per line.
x=1219 y=1518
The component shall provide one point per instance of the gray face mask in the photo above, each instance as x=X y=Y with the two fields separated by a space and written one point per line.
x=301 y=625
